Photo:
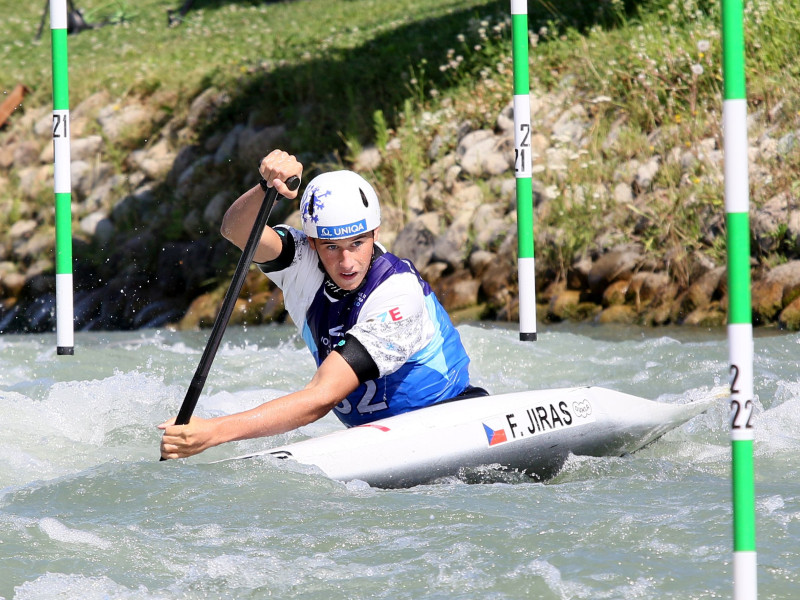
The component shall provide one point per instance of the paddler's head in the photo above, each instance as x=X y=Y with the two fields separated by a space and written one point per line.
x=342 y=217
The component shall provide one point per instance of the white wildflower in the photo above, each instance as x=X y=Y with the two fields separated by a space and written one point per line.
x=697 y=69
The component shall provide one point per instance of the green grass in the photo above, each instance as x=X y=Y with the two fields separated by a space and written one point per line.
x=343 y=74
x=343 y=51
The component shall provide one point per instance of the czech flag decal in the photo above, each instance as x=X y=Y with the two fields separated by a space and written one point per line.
x=495 y=436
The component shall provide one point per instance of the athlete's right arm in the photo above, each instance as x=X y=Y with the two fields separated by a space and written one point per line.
x=275 y=168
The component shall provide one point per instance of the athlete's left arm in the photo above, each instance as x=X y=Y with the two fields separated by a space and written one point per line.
x=331 y=383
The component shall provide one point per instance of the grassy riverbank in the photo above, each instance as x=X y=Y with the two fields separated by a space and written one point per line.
x=346 y=74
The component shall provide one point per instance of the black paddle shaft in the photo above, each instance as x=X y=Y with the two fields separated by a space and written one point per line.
x=228 y=303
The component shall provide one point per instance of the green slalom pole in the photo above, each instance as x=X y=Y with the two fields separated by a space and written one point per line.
x=62 y=180
x=740 y=327
x=522 y=171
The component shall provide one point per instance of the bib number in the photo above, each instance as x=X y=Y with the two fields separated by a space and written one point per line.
x=366 y=405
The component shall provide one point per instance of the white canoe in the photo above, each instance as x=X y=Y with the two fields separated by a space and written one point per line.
x=531 y=432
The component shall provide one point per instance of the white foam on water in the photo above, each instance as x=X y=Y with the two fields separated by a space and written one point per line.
x=59 y=532
x=60 y=586
x=82 y=491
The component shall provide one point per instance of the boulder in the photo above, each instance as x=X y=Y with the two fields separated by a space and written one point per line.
x=452 y=247
x=458 y=290
x=256 y=144
x=120 y=122
x=615 y=293
x=156 y=161
x=226 y=151
x=483 y=153
x=415 y=242
x=215 y=209
x=86 y=148
x=621 y=314
x=617 y=264
x=767 y=300
x=787 y=276
x=205 y=107
x=498 y=281
x=368 y=159
x=789 y=317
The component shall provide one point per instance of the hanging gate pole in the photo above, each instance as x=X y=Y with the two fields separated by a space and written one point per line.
x=62 y=180
x=522 y=171
x=740 y=326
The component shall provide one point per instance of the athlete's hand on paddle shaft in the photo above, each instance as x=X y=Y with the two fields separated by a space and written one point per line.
x=276 y=168
x=181 y=441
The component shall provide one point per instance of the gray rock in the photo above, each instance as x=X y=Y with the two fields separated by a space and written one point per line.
x=615 y=265
x=192 y=176
x=215 y=209
x=483 y=153
x=256 y=144
x=505 y=120
x=155 y=161
x=86 y=148
x=467 y=197
x=645 y=174
x=206 y=106
x=85 y=175
x=136 y=205
x=458 y=290
x=788 y=143
x=480 y=261
x=571 y=125
x=414 y=197
x=103 y=194
x=22 y=229
x=25 y=153
x=766 y=222
x=415 y=242
x=117 y=122
x=39 y=243
x=226 y=151
x=452 y=247
x=88 y=224
x=368 y=159
x=436 y=146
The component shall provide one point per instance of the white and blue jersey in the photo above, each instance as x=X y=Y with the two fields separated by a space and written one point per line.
x=418 y=356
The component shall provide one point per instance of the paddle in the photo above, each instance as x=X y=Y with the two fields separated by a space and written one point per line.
x=228 y=303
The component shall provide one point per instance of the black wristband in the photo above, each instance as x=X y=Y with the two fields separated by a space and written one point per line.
x=263 y=183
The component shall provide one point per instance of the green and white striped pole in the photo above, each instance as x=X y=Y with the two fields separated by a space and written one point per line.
x=522 y=171
x=61 y=179
x=740 y=327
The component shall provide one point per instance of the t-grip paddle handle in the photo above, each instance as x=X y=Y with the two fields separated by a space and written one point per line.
x=228 y=303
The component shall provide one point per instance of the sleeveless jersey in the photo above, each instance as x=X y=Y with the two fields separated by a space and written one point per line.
x=396 y=317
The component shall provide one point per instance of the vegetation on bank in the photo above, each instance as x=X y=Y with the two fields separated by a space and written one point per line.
x=345 y=74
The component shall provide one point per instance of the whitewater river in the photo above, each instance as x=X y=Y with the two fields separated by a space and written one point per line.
x=88 y=512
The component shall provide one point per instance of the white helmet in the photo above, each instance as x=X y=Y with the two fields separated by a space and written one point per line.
x=339 y=204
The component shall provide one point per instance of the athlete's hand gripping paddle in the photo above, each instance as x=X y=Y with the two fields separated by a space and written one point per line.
x=228 y=303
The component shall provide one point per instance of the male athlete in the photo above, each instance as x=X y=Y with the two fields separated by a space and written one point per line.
x=382 y=342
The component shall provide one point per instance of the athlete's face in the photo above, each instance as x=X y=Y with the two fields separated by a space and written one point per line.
x=347 y=260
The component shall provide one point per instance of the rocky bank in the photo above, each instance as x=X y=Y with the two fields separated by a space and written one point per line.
x=149 y=192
